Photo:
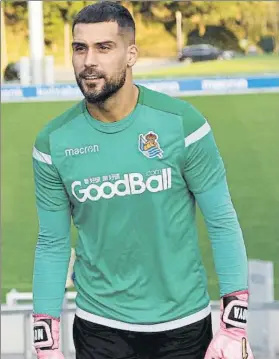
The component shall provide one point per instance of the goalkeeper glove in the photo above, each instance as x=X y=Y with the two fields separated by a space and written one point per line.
x=230 y=341
x=46 y=337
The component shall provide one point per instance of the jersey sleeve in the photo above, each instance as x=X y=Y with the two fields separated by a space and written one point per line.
x=205 y=175
x=228 y=247
x=203 y=165
x=53 y=247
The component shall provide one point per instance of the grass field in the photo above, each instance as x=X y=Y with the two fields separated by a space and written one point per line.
x=246 y=129
x=245 y=65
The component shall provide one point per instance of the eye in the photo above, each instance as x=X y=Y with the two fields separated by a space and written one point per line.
x=104 y=47
x=79 y=48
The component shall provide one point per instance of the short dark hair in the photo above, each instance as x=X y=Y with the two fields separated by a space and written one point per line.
x=106 y=11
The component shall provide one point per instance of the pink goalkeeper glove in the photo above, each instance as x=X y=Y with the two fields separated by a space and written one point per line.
x=230 y=342
x=46 y=337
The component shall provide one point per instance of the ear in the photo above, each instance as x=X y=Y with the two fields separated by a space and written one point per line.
x=132 y=55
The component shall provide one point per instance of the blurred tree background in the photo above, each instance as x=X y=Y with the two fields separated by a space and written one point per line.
x=232 y=25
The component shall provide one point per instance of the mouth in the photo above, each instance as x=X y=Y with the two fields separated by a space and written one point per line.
x=92 y=80
x=89 y=78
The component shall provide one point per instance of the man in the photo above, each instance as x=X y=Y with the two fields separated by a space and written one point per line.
x=128 y=165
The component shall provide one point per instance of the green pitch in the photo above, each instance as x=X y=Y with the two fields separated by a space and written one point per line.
x=242 y=65
x=246 y=128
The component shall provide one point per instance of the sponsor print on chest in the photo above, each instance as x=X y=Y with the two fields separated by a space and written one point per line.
x=113 y=176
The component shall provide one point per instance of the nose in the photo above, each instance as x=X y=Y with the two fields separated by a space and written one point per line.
x=91 y=59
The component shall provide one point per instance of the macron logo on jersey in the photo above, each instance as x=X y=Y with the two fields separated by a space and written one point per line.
x=81 y=150
x=131 y=184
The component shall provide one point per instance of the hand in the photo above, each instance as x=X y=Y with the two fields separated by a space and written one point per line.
x=50 y=354
x=230 y=342
x=46 y=337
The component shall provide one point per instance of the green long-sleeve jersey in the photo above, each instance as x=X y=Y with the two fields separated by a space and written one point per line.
x=131 y=188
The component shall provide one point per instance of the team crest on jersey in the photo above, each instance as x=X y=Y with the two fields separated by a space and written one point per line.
x=149 y=145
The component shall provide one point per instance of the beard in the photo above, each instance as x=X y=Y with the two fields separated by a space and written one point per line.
x=95 y=95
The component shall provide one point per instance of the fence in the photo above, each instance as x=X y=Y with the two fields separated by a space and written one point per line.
x=16 y=322
x=173 y=87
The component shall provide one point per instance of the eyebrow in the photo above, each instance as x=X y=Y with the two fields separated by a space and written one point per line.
x=105 y=42
x=77 y=43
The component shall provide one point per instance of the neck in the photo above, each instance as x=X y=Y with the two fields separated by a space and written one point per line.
x=116 y=107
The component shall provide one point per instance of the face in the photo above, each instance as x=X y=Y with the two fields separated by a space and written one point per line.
x=101 y=59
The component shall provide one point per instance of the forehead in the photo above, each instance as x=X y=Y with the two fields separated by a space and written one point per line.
x=98 y=32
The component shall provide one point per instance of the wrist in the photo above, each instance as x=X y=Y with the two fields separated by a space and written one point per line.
x=234 y=308
x=46 y=332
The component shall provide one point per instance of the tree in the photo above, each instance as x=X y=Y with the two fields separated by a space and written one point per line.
x=4 y=53
x=273 y=23
x=14 y=29
x=16 y=15
x=57 y=13
x=228 y=22
x=245 y=19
